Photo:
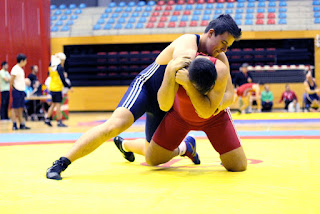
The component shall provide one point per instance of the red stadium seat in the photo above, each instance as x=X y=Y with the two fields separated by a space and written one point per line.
x=170 y=2
x=158 y=8
x=220 y=1
x=191 y=2
x=182 y=24
x=155 y=14
x=163 y=19
x=160 y=25
x=193 y=24
x=150 y=25
x=204 y=23
x=201 y=1
x=180 y=2
x=153 y=19
x=210 y=1
x=271 y=22
x=260 y=15
x=259 y=22
x=161 y=2
x=168 y=7
x=271 y=16
x=166 y=13
x=231 y=0
x=187 y=12
x=172 y=24
x=176 y=13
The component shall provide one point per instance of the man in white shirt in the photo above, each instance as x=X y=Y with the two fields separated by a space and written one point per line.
x=18 y=86
x=5 y=90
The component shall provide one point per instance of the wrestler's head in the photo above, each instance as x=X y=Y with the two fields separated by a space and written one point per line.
x=202 y=74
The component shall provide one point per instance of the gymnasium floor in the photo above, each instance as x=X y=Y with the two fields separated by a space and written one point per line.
x=283 y=174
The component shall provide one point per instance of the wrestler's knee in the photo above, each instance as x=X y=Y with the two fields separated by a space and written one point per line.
x=235 y=160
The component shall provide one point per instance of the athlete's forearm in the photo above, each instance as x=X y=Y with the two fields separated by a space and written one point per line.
x=228 y=96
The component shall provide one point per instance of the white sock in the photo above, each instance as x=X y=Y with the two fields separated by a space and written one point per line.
x=182 y=148
x=124 y=148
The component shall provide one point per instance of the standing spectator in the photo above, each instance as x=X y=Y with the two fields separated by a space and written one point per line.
x=5 y=90
x=56 y=85
x=288 y=96
x=18 y=85
x=243 y=77
x=266 y=99
x=33 y=75
x=312 y=97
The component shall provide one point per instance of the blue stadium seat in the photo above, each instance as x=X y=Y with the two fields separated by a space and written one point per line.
x=145 y=14
x=282 y=4
x=209 y=6
x=230 y=5
x=62 y=7
x=178 y=7
x=139 y=26
x=282 y=16
x=53 y=7
x=67 y=12
x=74 y=17
x=121 y=20
x=122 y=4
x=250 y=10
x=78 y=11
x=53 y=18
x=82 y=6
x=241 y=0
x=108 y=10
x=217 y=12
x=63 y=17
x=240 y=5
x=272 y=0
x=135 y=14
x=251 y=0
x=215 y=16
x=69 y=22
x=97 y=27
x=72 y=6
x=261 y=10
x=262 y=0
x=151 y=3
x=131 y=4
x=142 y=20
x=249 y=16
x=197 y=12
x=59 y=23
x=199 y=7
x=125 y=15
x=315 y=9
x=228 y=11
x=272 y=4
x=111 y=21
x=261 y=4
x=100 y=21
x=238 y=16
x=148 y=9
x=271 y=10
x=188 y=7
x=65 y=28
x=118 y=10
x=316 y=15
x=141 y=3
x=238 y=22
x=251 y=4
x=239 y=11
x=128 y=9
x=114 y=15
x=117 y=27
x=282 y=21
x=317 y=20
x=316 y=3
x=206 y=18
x=283 y=10
x=174 y=19
x=132 y=20
x=207 y=12
x=184 y=18
x=112 y=4
x=57 y=12
x=107 y=27
x=128 y=26
x=195 y=18
x=138 y=9
x=219 y=6
x=54 y=29
x=248 y=22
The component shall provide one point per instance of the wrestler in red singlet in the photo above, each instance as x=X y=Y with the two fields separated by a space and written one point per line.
x=182 y=118
x=244 y=89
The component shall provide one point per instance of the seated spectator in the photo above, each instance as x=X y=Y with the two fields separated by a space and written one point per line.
x=312 y=97
x=294 y=106
x=266 y=99
x=32 y=106
x=288 y=96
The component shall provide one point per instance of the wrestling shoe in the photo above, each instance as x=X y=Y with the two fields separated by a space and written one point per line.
x=191 y=151
x=127 y=155
x=62 y=125
x=24 y=127
x=47 y=122
x=54 y=172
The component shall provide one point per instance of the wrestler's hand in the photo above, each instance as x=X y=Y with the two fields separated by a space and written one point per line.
x=180 y=62
x=182 y=77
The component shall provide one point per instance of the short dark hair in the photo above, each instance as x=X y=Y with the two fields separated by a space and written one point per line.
x=21 y=57
x=224 y=23
x=3 y=63
x=32 y=67
x=203 y=73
